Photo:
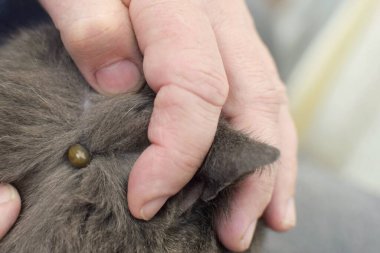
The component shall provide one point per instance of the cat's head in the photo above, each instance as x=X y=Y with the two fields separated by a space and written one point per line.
x=45 y=108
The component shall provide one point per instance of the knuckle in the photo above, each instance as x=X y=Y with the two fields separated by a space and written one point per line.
x=88 y=35
x=275 y=94
x=269 y=99
x=205 y=79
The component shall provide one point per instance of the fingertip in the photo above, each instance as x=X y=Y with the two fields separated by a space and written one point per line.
x=289 y=220
x=10 y=206
x=101 y=41
x=281 y=216
x=151 y=208
x=118 y=77
x=236 y=232
x=157 y=175
x=246 y=239
x=250 y=200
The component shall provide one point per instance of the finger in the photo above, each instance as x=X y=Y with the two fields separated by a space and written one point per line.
x=10 y=205
x=255 y=87
x=281 y=212
x=253 y=105
x=249 y=202
x=99 y=37
x=183 y=65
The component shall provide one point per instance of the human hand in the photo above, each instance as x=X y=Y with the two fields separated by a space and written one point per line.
x=10 y=205
x=202 y=58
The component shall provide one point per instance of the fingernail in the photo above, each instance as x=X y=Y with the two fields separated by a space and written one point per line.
x=246 y=239
x=7 y=193
x=119 y=77
x=152 y=207
x=290 y=216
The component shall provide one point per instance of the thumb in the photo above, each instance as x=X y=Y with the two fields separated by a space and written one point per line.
x=10 y=205
x=98 y=35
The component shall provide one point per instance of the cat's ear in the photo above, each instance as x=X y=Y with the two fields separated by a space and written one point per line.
x=232 y=156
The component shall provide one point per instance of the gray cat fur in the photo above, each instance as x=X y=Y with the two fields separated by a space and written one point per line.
x=46 y=106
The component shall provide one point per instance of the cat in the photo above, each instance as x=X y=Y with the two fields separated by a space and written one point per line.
x=45 y=107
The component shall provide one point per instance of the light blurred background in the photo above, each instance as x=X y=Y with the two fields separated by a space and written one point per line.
x=328 y=53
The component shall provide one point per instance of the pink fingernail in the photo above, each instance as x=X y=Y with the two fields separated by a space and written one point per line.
x=246 y=239
x=152 y=207
x=290 y=215
x=7 y=193
x=119 y=77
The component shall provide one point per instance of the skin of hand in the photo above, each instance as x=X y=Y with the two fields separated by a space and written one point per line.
x=202 y=58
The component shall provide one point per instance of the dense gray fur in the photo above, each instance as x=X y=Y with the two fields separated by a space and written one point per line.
x=46 y=106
